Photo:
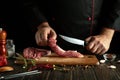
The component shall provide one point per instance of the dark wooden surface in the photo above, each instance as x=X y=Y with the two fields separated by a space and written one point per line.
x=95 y=72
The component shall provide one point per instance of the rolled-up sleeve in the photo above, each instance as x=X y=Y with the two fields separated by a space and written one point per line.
x=32 y=13
x=110 y=14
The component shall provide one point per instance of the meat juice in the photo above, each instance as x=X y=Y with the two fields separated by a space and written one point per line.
x=3 y=50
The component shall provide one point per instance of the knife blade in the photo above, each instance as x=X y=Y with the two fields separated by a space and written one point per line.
x=73 y=40
x=20 y=75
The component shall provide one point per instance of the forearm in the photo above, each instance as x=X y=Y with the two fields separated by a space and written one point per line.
x=108 y=32
x=43 y=24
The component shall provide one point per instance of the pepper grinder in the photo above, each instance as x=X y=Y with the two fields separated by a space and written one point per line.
x=3 y=50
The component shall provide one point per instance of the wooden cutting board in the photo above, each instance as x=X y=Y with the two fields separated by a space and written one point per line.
x=86 y=60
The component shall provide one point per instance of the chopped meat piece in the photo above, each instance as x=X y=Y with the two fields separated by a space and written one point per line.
x=41 y=66
x=61 y=52
x=31 y=52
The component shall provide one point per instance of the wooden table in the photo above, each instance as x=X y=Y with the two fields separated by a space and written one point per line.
x=95 y=72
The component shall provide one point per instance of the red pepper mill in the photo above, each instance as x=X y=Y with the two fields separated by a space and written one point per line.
x=3 y=50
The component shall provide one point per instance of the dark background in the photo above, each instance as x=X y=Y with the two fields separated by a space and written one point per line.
x=12 y=20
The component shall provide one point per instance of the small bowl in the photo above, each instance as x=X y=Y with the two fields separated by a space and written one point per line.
x=109 y=57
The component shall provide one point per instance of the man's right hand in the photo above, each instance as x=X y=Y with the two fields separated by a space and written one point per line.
x=43 y=33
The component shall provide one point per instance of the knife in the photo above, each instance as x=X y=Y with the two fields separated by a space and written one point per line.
x=20 y=75
x=73 y=40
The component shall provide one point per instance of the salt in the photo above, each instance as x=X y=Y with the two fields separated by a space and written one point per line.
x=112 y=66
x=102 y=61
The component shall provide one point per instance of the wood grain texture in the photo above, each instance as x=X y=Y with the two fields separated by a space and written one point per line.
x=86 y=60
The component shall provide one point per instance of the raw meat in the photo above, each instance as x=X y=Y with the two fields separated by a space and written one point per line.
x=31 y=53
x=61 y=52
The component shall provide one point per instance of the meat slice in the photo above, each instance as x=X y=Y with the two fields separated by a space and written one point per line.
x=61 y=52
x=31 y=52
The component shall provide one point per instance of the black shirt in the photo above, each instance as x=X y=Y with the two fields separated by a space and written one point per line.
x=78 y=18
x=75 y=18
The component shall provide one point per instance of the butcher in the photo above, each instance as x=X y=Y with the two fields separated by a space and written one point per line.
x=93 y=21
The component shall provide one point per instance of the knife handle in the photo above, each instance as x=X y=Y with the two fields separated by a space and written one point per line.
x=85 y=44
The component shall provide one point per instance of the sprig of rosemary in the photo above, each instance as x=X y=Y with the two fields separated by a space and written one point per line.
x=26 y=60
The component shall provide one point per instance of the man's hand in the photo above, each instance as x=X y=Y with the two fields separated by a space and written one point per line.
x=43 y=33
x=100 y=44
